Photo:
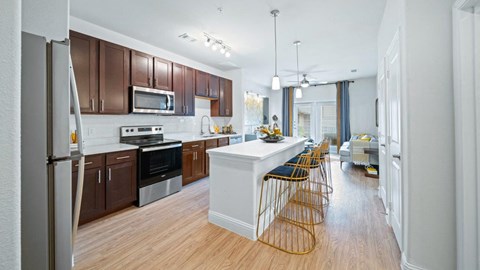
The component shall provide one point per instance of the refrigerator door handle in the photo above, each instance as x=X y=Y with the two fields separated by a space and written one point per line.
x=76 y=108
x=81 y=163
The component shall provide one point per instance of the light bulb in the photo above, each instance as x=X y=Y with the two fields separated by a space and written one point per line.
x=298 y=92
x=227 y=54
x=222 y=50
x=214 y=47
x=207 y=43
x=275 y=83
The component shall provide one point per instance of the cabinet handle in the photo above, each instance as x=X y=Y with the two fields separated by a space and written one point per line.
x=195 y=145
x=92 y=104
x=99 y=176
x=194 y=155
x=155 y=82
x=109 y=174
x=124 y=157
x=148 y=81
x=86 y=163
x=186 y=109
x=102 y=102
x=397 y=157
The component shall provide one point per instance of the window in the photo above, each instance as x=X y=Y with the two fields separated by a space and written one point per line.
x=256 y=112
x=316 y=120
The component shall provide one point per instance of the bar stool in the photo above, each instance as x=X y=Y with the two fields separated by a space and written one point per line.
x=326 y=168
x=314 y=182
x=282 y=222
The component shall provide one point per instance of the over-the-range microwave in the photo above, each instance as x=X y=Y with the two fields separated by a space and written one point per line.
x=154 y=101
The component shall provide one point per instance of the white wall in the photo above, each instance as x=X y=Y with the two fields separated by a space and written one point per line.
x=49 y=18
x=10 y=22
x=322 y=93
x=105 y=128
x=427 y=129
x=363 y=94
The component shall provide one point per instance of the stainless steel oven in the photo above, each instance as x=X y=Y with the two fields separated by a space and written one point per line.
x=152 y=101
x=159 y=163
x=159 y=168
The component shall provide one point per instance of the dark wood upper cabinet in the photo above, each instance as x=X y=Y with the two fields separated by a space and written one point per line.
x=228 y=98
x=141 y=69
x=189 y=91
x=113 y=78
x=162 y=74
x=201 y=83
x=184 y=88
x=178 y=84
x=223 y=106
x=214 y=86
x=84 y=52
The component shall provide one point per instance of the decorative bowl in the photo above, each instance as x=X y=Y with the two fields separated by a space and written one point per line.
x=275 y=139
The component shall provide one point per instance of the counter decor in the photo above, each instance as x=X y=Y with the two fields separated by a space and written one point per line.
x=271 y=136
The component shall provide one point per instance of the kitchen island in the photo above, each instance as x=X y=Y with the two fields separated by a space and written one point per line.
x=236 y=174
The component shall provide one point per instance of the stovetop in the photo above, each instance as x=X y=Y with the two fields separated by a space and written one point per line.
x=144 y=136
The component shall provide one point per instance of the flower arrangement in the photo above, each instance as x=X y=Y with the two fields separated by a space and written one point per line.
x=271 y=134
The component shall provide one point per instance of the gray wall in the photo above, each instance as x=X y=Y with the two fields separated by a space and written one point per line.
x=427 y=128
x=363 y=94
x=10 y=135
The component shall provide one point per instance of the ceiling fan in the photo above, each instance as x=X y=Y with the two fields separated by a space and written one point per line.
x=307 y=81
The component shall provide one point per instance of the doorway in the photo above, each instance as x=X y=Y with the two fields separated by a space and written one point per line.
x=316 y=121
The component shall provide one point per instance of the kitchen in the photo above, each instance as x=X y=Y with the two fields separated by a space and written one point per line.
x=155 y=127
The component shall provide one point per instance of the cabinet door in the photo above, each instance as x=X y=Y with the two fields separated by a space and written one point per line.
x=189 y=91
x=178 y=85
x=113 y=78
x=121 y=184
x=214 y=86
x=187 y=167
x=228 y=98
x=162 y=74
x=93 y=195
x=201 y=83
x=199 y=164
x=84 y=52
x=141 y=69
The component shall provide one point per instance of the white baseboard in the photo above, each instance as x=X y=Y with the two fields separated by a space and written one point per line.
x=408 y=266
x=233 y=225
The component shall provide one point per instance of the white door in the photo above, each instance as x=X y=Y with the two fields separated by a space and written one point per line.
x=394 y=138
x=382 y=135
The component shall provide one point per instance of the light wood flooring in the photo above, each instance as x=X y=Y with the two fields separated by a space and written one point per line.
x=174 y=233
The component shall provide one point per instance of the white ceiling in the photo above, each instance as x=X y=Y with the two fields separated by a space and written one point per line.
x=337 y=35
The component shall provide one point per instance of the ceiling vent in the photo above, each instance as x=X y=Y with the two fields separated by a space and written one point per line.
x=187 y=37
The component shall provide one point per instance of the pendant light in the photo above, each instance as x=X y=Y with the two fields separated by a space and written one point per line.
x=298 y=89
x=275 y=79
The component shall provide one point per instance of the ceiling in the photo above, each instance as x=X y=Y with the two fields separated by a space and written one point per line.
x=337 y=35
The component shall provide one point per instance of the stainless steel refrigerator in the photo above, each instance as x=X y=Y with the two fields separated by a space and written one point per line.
x=48 y=224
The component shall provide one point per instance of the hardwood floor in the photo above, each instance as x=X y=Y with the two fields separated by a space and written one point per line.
x=174 y=233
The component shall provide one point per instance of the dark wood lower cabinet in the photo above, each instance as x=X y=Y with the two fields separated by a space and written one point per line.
x=196 y=162
x=93 y=196
x=121 y=190
x=106 y=188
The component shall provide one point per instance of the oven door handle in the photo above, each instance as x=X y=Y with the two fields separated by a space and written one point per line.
x=150 y=149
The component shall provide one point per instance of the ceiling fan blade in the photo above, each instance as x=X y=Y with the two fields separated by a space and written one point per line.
x=310 y=68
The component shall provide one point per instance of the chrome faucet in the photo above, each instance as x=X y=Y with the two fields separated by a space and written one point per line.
x=201 y=125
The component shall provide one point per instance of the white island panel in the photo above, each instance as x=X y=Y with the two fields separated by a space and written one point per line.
x=236 y=175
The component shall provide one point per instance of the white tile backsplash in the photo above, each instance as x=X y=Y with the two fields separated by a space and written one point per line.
x=105 y=129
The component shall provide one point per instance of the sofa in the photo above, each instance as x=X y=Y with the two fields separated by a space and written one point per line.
x=353 y=150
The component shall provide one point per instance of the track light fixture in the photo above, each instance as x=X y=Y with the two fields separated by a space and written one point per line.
x=216 y=44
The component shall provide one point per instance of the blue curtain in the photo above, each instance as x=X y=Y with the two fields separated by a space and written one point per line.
x=343 y=104
x=287 y=111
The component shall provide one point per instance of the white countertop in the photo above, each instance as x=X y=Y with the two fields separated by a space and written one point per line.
x=256 y=149
x=105 y=148
x=191 y=137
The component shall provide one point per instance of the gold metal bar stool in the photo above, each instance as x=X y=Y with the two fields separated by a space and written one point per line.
x=282 y=222
x=314 y=183
x=325 y=165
